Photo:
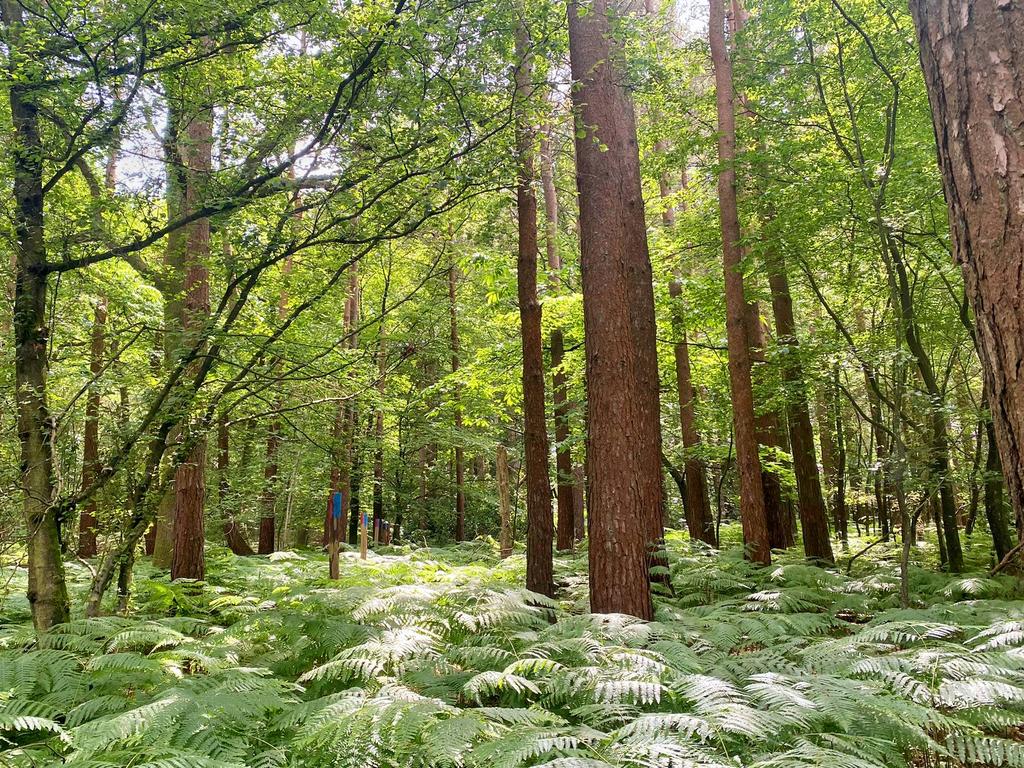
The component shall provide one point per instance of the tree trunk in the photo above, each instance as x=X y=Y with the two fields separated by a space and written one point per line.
x=233 y=535
x=563 y=454
x=539 y=568
x=173 y=309
x=187 y=560
x=971 y=56
x=699 y=521
x=460 y=471
x=995 y=509
x=47 y=588
x=768 y=431
x=87 y=522
x=378 y=432
x=579 y=503
x=813 y=519
x=748 y=463
x=624 y=429
x=268 y=499
x=504 y=506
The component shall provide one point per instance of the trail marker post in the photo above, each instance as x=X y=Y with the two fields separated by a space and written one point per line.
x=363 y=536
x=334 y=503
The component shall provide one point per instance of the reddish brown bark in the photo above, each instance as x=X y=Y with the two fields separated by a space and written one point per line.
x=563 y=454
x=624 y=430
x=972 y=55
x=87 y=523
x=187 y=560
x=748 y=463
x=539 y=534
x=813 y=518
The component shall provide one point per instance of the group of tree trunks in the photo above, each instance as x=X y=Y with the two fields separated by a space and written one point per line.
x=970 y=54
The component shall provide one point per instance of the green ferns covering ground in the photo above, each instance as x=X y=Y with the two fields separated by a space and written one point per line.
x=436 y=658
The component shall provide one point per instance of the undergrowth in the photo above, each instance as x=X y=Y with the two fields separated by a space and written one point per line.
x=435 y=657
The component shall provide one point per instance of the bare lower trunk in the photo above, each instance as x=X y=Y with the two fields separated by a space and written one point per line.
x=624 y=429
x=753 y=514
x=971 y=55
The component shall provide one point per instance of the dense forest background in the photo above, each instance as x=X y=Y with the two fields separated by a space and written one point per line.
x=656 y=289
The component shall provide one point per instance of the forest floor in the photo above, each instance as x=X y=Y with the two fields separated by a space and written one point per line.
x=435 y=657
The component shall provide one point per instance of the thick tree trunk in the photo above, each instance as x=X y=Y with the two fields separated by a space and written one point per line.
x=87 y=523
x=813 y=518
x=187 y=560
x=972 y=55
x=624 y=429
x=753 y=514
x=539 y=534
x=47 y=589
x=460 y=470
x=563 y=454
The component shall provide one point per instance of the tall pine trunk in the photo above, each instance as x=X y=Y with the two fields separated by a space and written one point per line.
x=563 y=453
x=813 y=518
x=972 y=61
x=539 y=534
x=753 y=514
x=187 y=560
x=624 y=429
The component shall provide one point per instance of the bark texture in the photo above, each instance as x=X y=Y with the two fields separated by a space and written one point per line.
x=972 y=54
x=748 y=463
x=813 y=518
x=187 y=560
x=47 y=589
x=624 y=430
x=539 y=533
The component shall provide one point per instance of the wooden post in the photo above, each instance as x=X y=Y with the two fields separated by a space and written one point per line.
x=501 y=470
x=363 y=535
